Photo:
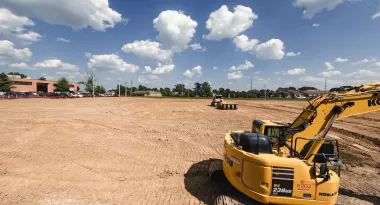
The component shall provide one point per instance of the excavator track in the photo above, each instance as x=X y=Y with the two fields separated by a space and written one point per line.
x=226 y=200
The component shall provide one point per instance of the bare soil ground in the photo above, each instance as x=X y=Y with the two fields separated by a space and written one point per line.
x=147 y=151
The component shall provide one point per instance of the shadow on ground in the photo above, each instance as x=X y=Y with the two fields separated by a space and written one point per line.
x=198 y=184
x=369 y=198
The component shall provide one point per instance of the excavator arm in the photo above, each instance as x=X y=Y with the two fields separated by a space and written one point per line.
x=316 y=119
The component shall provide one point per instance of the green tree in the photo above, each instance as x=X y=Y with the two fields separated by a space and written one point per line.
x=99 y=89
x=180 y=88
x=307 y=88
x=62 y=85
x=163 y=92
x=122 y=90
x=5 y=84
x=89 y=81
x=228 y=92
x=19 y=74
x=42 y=78
x=222 y=92
x=143 y=88
x=168 y=91
x=206 y=89
x=198 y=88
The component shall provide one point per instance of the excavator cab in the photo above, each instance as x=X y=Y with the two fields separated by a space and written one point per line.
x=270 y=128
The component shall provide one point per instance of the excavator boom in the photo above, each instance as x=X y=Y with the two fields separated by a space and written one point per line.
x=317 y=118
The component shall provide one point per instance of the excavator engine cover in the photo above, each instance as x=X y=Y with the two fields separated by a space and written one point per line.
x=255 y=143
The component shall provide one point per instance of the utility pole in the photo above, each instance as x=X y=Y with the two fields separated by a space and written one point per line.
x=326 y=84
x=182 y=91
x=265 y=91
x=119 y=87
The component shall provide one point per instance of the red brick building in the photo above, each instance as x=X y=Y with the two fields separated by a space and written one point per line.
x=29 y=85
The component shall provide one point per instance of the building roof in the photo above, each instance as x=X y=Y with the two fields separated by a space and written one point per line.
x=154 y=92
x=140 y=92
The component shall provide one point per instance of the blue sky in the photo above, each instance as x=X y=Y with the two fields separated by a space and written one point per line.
x=278 y=43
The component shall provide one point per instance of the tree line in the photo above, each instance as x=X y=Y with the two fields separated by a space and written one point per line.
x=204 y=90
x=180 y=90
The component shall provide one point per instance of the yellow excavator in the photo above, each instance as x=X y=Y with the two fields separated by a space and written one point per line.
x=291 y=163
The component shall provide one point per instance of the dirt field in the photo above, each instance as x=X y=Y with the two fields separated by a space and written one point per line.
x=147 y=151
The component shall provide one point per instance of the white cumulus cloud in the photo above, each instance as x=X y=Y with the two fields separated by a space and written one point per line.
x=188 y=74
x=10 y=54
x=245 y=66
x=329 y=66
x=341 y=60
x=312 y=7
x=270 y=50
x=330 y=73
x=110 y=63
x=375 y=65
x=365 y=61
x=312 y=79
x=175 y=29
x=55 y=64
x=22 y=65
x=148 y=78
x=296 y=71
x=73 y=13
x=197 y=70
x=148 y=69
x=14 y=27
x=244 y=43
x=161 y=69
x=223 y=23
x=63 y=40
x=235 y=75
x=376 y=15
x=197 y=46
x=29 y=36
x=316 y=25
x=363 y=73
x=148 y=50
x=292 y=54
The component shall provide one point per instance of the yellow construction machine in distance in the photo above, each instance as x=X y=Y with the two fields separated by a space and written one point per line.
x=283 y=163
x=219 y=103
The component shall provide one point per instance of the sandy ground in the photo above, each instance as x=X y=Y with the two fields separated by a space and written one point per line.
x=147 y=151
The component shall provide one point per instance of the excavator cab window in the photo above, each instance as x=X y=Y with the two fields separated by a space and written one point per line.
x=272 y=131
